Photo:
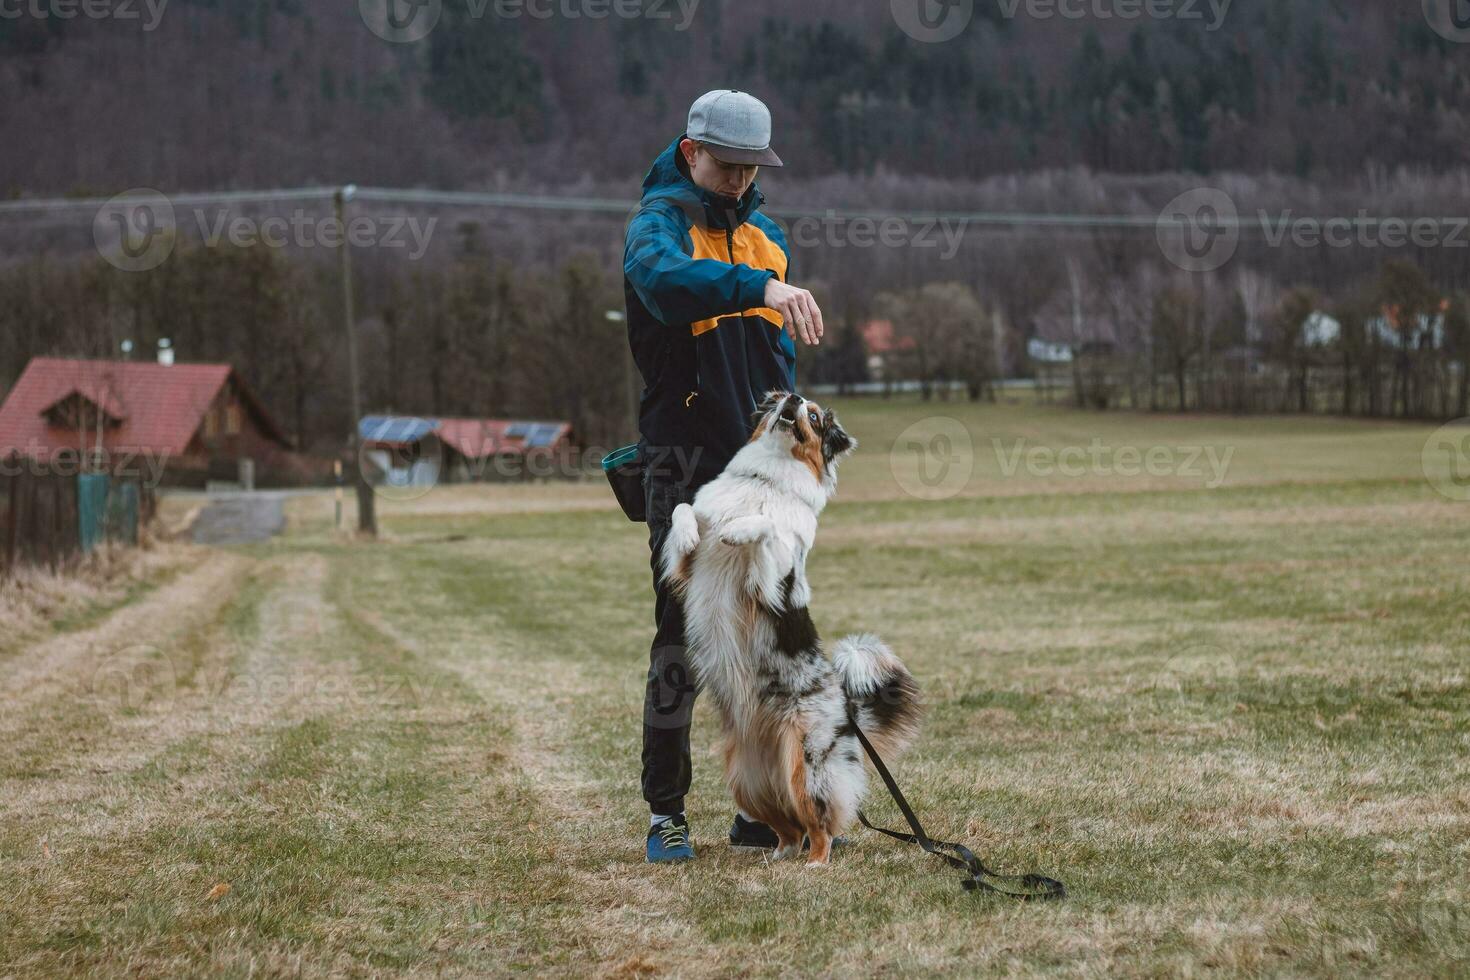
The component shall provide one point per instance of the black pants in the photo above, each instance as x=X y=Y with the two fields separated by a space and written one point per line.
x=668 y=701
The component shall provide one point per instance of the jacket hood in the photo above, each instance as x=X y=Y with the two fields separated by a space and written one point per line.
x=668 y=181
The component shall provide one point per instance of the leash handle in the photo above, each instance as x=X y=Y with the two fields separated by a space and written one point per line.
x=976 y=873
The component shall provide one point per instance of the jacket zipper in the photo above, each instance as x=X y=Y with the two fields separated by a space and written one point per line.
x=730 y=251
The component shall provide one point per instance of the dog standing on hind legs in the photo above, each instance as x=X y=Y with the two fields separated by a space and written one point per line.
x=737 y=559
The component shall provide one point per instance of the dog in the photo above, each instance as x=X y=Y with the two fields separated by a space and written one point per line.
x=736 y=558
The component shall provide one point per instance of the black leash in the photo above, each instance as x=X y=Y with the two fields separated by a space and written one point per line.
x=977 y=876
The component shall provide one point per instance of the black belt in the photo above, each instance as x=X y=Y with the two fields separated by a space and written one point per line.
x=977 y=876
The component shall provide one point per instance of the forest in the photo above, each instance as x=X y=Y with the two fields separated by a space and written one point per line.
x=1308 y=108
x=270 y=93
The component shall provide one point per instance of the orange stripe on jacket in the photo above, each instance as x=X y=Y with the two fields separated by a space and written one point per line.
x=751 y=247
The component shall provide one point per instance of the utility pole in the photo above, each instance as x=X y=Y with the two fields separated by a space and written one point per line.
x=367 y=521
x=341 y=198
x=630 y=384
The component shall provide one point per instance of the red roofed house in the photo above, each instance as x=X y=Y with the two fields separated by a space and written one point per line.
x=884 y=347
x=417 y=452
x=194 y=421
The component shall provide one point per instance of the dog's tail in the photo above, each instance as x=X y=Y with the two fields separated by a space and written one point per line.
x=679 y=545
x=881 y=693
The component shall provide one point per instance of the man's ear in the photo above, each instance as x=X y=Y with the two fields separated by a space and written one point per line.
x=690 y=149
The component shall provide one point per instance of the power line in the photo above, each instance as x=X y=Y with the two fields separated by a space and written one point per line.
x=606 y=205
x=598 y=205
x=184 y=200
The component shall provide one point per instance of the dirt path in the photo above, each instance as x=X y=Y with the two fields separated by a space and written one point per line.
x=221 y=657
x=72 y=664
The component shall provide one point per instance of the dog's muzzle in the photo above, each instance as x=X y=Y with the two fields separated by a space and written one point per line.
x=789 y=408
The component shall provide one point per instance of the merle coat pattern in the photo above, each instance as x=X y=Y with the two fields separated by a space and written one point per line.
x=737 y=558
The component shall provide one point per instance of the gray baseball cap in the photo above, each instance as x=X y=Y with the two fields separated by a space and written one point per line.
x=735 y=125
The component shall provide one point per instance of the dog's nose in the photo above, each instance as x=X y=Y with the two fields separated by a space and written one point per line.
x=790 y=407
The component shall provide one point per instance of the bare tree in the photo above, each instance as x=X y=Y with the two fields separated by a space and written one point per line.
x=1286 y=341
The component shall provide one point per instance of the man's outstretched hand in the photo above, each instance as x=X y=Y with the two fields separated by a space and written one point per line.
x=797 y=307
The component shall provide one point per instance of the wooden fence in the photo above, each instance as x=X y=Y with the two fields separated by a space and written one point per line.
x=42 y=515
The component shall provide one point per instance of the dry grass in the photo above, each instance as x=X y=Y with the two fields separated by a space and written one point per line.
x=1233 y=720
x=35 y=601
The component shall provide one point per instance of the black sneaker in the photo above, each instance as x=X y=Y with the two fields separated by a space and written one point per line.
x=748 y=835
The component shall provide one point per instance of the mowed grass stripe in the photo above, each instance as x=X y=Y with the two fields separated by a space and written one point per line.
x=1232 y=720
x=1064 y=775
x=305 y=821
x=528 y=587
x=499 y=614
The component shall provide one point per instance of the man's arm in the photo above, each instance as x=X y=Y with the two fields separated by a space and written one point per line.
x=798 y=308
x=678 y=289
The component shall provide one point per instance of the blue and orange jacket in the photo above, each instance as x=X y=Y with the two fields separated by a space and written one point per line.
x=695 y=269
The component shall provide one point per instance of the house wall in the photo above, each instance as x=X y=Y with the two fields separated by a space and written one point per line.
x=230 y=432
x=558 y=461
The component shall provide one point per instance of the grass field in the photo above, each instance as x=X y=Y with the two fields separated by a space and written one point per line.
x=1228 y=707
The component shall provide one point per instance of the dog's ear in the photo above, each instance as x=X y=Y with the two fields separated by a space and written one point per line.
x=767 y=406
x=835 y=440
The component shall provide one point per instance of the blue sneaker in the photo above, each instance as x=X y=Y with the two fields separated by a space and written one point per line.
x=669 y=841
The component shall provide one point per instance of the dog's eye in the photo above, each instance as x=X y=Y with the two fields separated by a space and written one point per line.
x=812 y=416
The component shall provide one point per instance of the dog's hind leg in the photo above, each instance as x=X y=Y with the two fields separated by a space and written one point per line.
x=821 y=853
x=810 y=810
x=788 y=841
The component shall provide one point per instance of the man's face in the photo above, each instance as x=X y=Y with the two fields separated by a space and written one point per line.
x=726 y=179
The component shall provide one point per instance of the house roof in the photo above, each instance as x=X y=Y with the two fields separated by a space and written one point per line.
x=474 y=438
x=879 y=338
x=160 y=407
x=98 y=394
x=393 y=430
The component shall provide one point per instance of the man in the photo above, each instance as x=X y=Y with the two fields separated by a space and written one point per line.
x=713 y=324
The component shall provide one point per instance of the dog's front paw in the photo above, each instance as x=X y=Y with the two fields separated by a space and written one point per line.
x=683 y=531
x=746 y=530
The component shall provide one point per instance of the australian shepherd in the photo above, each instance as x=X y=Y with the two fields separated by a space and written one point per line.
x=737 y=557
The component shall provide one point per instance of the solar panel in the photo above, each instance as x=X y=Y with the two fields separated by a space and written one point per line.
x=374 y=427
x=393 y=428
x=542 y=435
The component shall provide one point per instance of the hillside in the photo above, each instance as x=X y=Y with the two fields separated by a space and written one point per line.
x=221 y=93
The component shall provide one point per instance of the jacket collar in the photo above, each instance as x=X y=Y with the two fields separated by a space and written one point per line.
x=669 y=180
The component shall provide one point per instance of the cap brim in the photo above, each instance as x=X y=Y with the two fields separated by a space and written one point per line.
x=744 y=157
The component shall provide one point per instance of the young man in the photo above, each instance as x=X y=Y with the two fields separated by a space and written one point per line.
x=713 y=325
